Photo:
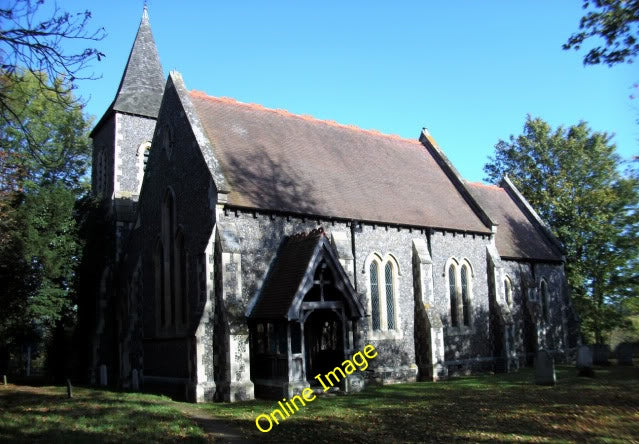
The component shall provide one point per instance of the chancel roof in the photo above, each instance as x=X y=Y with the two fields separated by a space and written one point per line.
x=142 y=85
x=275 y=160
x=518 y=234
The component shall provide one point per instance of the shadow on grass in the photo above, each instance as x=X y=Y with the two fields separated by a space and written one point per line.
x=502 y=408
x=485 y=408
x=46 y=415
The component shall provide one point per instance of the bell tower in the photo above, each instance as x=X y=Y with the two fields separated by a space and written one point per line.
x=122 y=137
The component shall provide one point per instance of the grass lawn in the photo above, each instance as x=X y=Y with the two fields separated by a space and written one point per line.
x=501 y=408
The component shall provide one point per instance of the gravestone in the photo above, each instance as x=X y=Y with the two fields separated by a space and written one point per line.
x=600 y=354
x=135 y=382
x=544 y=368
x=584 y=361
x=103 y=374
x=624 y=353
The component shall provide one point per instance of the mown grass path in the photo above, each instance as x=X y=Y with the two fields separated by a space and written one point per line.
x=485 y=408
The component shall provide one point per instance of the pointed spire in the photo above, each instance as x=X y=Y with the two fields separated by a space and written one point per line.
x=142 y=85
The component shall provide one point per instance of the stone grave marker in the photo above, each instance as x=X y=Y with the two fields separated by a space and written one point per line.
x=624 y=353
x=544 y=369
x=103 y=374
x=135 y=381
x=584 y=361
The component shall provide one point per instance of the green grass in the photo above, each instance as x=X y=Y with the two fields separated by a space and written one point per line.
x=500 y=408
x=44 y=414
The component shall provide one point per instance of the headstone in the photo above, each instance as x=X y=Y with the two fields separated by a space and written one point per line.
x=600 y=354
x=135 y=381
x=103 y=374
x=544 y=369
x=584 y=361
x=624 y=353
x=4 y=377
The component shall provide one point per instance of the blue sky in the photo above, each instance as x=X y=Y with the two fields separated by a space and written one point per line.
x=469 y=71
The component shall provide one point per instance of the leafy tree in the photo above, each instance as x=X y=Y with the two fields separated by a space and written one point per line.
x=614 y=21
x=40 y=180
x=56 y=147
x=572 y=177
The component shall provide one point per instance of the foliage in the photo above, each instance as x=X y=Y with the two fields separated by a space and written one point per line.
x=56 y=146
x=572 y=178
x=42 y=173
x=614 y=21
x=486 y=408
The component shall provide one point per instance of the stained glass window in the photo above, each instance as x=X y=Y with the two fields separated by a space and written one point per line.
x=464 y=291
x=375 y=294
x=390 y=304
x=452 y=290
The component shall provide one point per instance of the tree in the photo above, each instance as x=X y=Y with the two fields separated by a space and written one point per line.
x=56 y=147
x=614 y=21
x=572 y=178
x=40 y=180
x=35 y=40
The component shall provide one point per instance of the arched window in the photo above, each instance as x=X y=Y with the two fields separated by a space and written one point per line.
x=179 y=281
x=158 y=266
x=383 y=293
x=452 y=291
x=174 y=268
x=508 y=292
x=390 y=303
x=465 y=278
x=460 y=292
x=543 y=290
x=142 y=155
x=374 y=277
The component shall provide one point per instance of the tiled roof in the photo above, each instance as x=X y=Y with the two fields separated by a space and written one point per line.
x=285 y=276
x=275 y=160
x=517 y=236
x=142 y=85
x=292 y=274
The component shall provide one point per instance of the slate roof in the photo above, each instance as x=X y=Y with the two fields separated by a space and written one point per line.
x=142 y=85
x=518 y=236
x=285 y=276
x=275 y=160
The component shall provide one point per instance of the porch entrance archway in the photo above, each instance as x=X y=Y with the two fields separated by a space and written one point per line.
x=323 y=342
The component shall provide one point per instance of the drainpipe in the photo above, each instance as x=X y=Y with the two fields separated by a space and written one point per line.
x=354 y=254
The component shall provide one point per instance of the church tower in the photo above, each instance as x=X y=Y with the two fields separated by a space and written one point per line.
x=122 y=137
x=121 y=144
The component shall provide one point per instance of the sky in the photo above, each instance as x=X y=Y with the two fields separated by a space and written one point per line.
x=468 y=71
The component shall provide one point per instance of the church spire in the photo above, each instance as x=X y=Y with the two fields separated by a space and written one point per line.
x=142 y=85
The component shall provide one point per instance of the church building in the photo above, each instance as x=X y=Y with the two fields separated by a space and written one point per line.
x=252 y=249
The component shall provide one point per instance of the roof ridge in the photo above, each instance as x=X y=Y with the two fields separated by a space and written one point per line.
x=486 y=185
x=307 y=117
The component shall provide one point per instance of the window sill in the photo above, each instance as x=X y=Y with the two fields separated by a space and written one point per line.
x=384 y=334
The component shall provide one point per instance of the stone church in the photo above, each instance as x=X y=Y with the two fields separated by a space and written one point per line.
x=254 y=249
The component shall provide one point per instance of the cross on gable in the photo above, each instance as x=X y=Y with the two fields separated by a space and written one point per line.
x=321 y=281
